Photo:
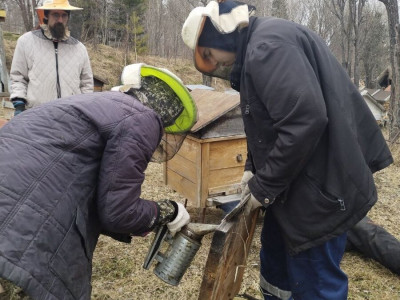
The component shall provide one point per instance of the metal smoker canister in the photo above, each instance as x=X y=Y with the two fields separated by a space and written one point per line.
x=178 y=257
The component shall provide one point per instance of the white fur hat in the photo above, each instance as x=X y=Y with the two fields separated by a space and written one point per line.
x=226 y=17
x=225 y=23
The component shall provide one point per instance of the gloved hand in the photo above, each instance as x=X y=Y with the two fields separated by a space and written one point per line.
x=182 y=218
x=252 y=202
x=19 y=105
x=247 y=175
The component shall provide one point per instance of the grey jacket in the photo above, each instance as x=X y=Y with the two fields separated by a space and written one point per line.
x=35 y=67
x=313 y=141
x=69 y=170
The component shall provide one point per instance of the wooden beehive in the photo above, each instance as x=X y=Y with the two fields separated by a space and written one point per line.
x=98 y=83
x=212 y=157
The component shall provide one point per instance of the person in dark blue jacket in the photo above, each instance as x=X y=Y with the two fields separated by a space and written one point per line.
x=313 y=144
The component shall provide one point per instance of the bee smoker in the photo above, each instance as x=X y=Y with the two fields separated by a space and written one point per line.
x=172 y=264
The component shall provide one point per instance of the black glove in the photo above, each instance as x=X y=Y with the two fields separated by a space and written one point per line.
x=19 y=105
x=168 y=210
x=172 y=214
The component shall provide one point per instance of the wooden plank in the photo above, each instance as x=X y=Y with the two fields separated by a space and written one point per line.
x=205 y=168
x=211 y=105
x=228 y=189
x=199 y=175
x=223 y=177
x=183 y=167
x=165 y=168
x=184 y=187
x=229 y=153
x=178 y=176
x=223 y=273
x=223 y=138
x=189 y=150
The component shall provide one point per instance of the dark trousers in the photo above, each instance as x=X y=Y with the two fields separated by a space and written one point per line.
x=375 y=242
x=310 y=275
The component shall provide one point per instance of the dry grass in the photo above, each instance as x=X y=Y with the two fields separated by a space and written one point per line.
x=118 y=272
x=368 y=279
x=117 y=268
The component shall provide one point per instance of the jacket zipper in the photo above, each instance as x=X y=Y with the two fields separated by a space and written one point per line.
x=324 y=194
x=341 y=202
x=58 y=77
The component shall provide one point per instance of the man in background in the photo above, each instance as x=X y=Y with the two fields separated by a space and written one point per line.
x=48 y=63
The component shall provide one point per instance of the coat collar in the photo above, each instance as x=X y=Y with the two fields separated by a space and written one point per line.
x=243 y=40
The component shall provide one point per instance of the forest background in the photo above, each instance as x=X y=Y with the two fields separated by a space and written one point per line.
x=355 y=30
x=120 y=32
x=362 y=34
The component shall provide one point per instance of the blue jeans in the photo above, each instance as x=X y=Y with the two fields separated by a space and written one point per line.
x=312 y=274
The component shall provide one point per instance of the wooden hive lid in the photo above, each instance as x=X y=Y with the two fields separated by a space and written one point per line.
x=211 y=105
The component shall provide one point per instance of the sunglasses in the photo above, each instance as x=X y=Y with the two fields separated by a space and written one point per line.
x=57 y=16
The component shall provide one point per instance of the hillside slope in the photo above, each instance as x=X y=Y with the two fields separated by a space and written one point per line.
x=108 y=63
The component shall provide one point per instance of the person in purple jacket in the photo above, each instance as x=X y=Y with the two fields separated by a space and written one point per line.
x=72 y=169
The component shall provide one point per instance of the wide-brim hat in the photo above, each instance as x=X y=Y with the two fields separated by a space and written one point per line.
x=131 y=78
x=57 y=5
x=225 y=23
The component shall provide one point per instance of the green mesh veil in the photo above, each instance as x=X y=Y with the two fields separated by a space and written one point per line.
x=157 y=95
x=188 y=117
x=162 y=91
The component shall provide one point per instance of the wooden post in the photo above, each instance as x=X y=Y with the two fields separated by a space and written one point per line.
x=223 y=273
x=205 y=173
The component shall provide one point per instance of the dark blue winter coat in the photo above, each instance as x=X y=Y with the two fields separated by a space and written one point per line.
x=312 y=140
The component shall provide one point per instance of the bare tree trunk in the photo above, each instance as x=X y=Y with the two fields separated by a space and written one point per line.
x=104 y=24
x=393 y=21
x=356 y=18
x=394 y=100
x=135 y=36
x=27 y=10
x=207 y=80
x=349 y=36
x=368 y=75
x=127 y=36
x=25 y=13
x=338 y=8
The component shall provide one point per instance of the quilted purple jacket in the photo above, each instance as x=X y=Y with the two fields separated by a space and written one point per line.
x=69 y=170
